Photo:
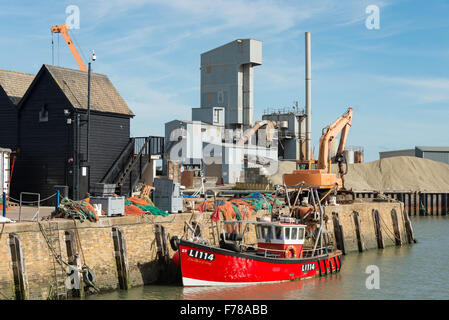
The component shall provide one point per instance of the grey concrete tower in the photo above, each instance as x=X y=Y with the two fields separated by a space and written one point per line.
x=227 y=80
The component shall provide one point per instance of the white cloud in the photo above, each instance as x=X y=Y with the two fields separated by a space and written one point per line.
x=421 y=90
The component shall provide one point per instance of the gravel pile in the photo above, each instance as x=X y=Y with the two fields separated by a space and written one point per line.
x=390 y=174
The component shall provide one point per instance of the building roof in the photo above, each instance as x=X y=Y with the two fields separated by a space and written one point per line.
x=434 y=149
x=73 y=83
x=15 y=84
x=103 y=95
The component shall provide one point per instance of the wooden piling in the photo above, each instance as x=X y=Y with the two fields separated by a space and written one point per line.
x=444 y=204
x=377 y=229
x=432 y=204
x=338 y=232
x=121 y=258
x=355 y=215
x=409 y=204
x=416 y=203
x=73 y=259
x=397 y=233
x=408 y=228
x=18 y=267
x=437 y=199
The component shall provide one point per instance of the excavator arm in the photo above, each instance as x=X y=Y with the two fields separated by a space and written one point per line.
x=270 y=125
x=321 y=176
x=342 y=124
x=64 y=30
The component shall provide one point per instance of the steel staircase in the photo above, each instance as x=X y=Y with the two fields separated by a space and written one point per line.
x=127 y=170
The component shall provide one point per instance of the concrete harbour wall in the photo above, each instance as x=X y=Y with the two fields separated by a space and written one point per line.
x=368 y=225
x=127 y=251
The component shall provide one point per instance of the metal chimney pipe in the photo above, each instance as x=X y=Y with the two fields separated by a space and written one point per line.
x=309 y=155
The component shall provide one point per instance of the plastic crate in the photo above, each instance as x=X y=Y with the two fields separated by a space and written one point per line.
x=102 y=189
x=112 y=206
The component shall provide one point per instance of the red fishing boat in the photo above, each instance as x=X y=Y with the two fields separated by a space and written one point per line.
x=280 y=255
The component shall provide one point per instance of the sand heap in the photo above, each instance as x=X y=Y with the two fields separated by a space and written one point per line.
x=399 y=174
x=390 y=174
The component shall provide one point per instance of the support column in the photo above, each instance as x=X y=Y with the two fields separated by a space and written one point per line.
x=308 y=85
x=149 y=173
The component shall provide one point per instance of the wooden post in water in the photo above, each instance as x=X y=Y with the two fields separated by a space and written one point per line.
x=421 y=204
x=409 y=204
x=397 y=233
x=437 y=204
x=432 y=203
x=426 y=203
x=377 y=229
x=444 y=204
x=357 y=230
x=416 y=203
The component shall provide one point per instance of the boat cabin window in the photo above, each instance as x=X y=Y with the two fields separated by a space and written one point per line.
x=266 y=232
x=287 y=233
x=300 y=233
x=294 y=233
x=278 y=232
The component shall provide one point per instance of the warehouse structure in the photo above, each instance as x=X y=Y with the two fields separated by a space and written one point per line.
x=52 y=132
x=440 y=154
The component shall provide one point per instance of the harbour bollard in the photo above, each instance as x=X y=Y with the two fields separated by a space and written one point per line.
x=4 y=204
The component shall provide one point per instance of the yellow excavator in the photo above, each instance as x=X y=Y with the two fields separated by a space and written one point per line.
x=317 y=173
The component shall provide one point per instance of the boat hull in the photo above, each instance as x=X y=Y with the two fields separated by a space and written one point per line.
x=211 y=266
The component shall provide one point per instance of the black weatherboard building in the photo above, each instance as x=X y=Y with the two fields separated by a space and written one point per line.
x=13 y=86
x=52 y=132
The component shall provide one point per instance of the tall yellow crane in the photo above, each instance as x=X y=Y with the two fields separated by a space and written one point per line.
x=64 y=30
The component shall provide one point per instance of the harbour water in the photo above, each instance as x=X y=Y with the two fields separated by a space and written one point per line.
x=419 y=271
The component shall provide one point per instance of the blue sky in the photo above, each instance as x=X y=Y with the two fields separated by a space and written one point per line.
x=395 y=77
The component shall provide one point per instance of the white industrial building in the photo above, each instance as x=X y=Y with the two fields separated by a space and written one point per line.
x=212 y=137
x=292 y=132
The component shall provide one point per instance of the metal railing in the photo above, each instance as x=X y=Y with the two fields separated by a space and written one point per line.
x=146 y=146
x=36 y=215
x=155 y=145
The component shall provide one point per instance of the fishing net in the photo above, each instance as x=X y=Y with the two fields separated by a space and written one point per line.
x=137 y=206
x=81 y=210
x=241 y=209
x=261 y=201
